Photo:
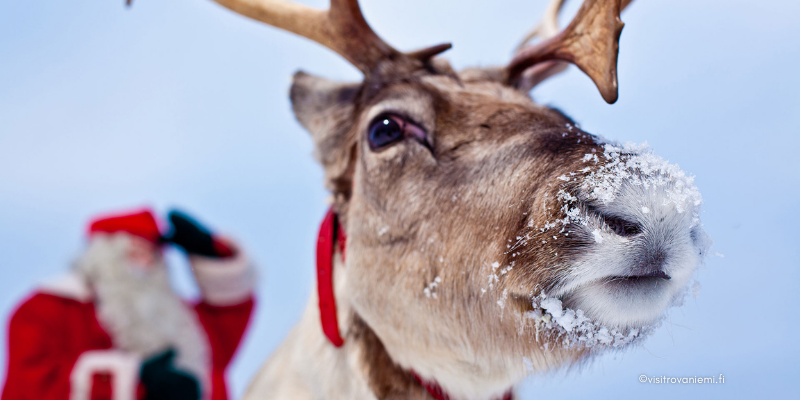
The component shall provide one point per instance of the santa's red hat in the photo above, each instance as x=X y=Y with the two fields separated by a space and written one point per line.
x=140 y=223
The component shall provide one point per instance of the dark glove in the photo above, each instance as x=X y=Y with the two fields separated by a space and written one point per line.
x=162 y=381
x=193 y=237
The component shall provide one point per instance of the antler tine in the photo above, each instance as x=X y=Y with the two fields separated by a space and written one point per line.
x=342 y=28
x=590 y=41
x=548 y=26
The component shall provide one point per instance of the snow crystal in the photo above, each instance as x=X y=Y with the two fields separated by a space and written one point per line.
x=502 y=301
x=430 y=290
x=573 y=328
x=552 y=306
x=597 y=236
x=528 y=364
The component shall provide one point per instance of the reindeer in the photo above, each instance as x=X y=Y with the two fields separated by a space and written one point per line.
x=474 y=236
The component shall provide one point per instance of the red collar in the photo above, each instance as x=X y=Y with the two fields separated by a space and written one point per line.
x=439 y=394
x=330 y=232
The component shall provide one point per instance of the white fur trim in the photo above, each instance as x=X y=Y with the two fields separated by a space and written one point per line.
x=123 y=367
x=224 y=281
x=70 y=285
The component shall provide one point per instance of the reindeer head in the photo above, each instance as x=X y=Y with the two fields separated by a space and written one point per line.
x=486 y=231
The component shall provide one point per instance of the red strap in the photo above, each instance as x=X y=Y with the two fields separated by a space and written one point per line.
x=327 y=299
x=439 y=394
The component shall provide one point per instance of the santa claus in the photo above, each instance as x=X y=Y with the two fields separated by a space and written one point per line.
x=114 y=329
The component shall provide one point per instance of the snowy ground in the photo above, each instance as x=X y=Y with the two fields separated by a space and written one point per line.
x=183 y=103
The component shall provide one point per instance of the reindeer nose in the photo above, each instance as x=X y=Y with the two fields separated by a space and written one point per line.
x=651 y=265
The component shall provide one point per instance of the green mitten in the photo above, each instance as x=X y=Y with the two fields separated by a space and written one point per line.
x=162 y=381
x=193 y=237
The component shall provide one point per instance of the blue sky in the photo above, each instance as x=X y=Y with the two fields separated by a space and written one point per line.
x=184 y=103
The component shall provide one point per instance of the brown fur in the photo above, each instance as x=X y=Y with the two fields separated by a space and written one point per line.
x=386 y=379
x=412 y=215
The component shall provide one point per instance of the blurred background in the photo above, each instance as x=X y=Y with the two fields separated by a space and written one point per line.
x=183 y=103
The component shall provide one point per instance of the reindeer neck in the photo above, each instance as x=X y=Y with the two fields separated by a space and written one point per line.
x=384 y=377
x=307 y=366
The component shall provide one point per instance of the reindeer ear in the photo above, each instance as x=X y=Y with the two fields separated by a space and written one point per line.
x=325 y=108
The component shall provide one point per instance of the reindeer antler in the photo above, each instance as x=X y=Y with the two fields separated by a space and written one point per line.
x=548 y=26
x=590 y=41
x=342 y=28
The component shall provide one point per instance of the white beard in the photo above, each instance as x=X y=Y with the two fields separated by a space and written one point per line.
x=139 y=309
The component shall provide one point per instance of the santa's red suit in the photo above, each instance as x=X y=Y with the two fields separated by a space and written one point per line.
x=59 y=348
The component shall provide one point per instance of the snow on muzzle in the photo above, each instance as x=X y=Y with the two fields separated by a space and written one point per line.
x=641 y=216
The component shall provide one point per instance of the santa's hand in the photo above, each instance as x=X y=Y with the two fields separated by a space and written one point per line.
x=162 y=381
x=194 y=238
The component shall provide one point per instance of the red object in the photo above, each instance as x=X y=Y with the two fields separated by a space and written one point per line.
x=439 y=394
x=141 y=223
x=48 y=333
x=327 y=299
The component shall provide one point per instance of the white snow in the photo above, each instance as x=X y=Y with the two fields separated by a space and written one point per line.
x=430 y=290
x=598 y=237
x=552 y=306
x=573 y=329
x=528 y=364
x=635 y=164
x=502 y=301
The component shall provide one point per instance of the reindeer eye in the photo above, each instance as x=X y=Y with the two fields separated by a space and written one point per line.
x=385 y=130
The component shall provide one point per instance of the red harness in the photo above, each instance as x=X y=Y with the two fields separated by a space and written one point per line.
x=330 y=232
